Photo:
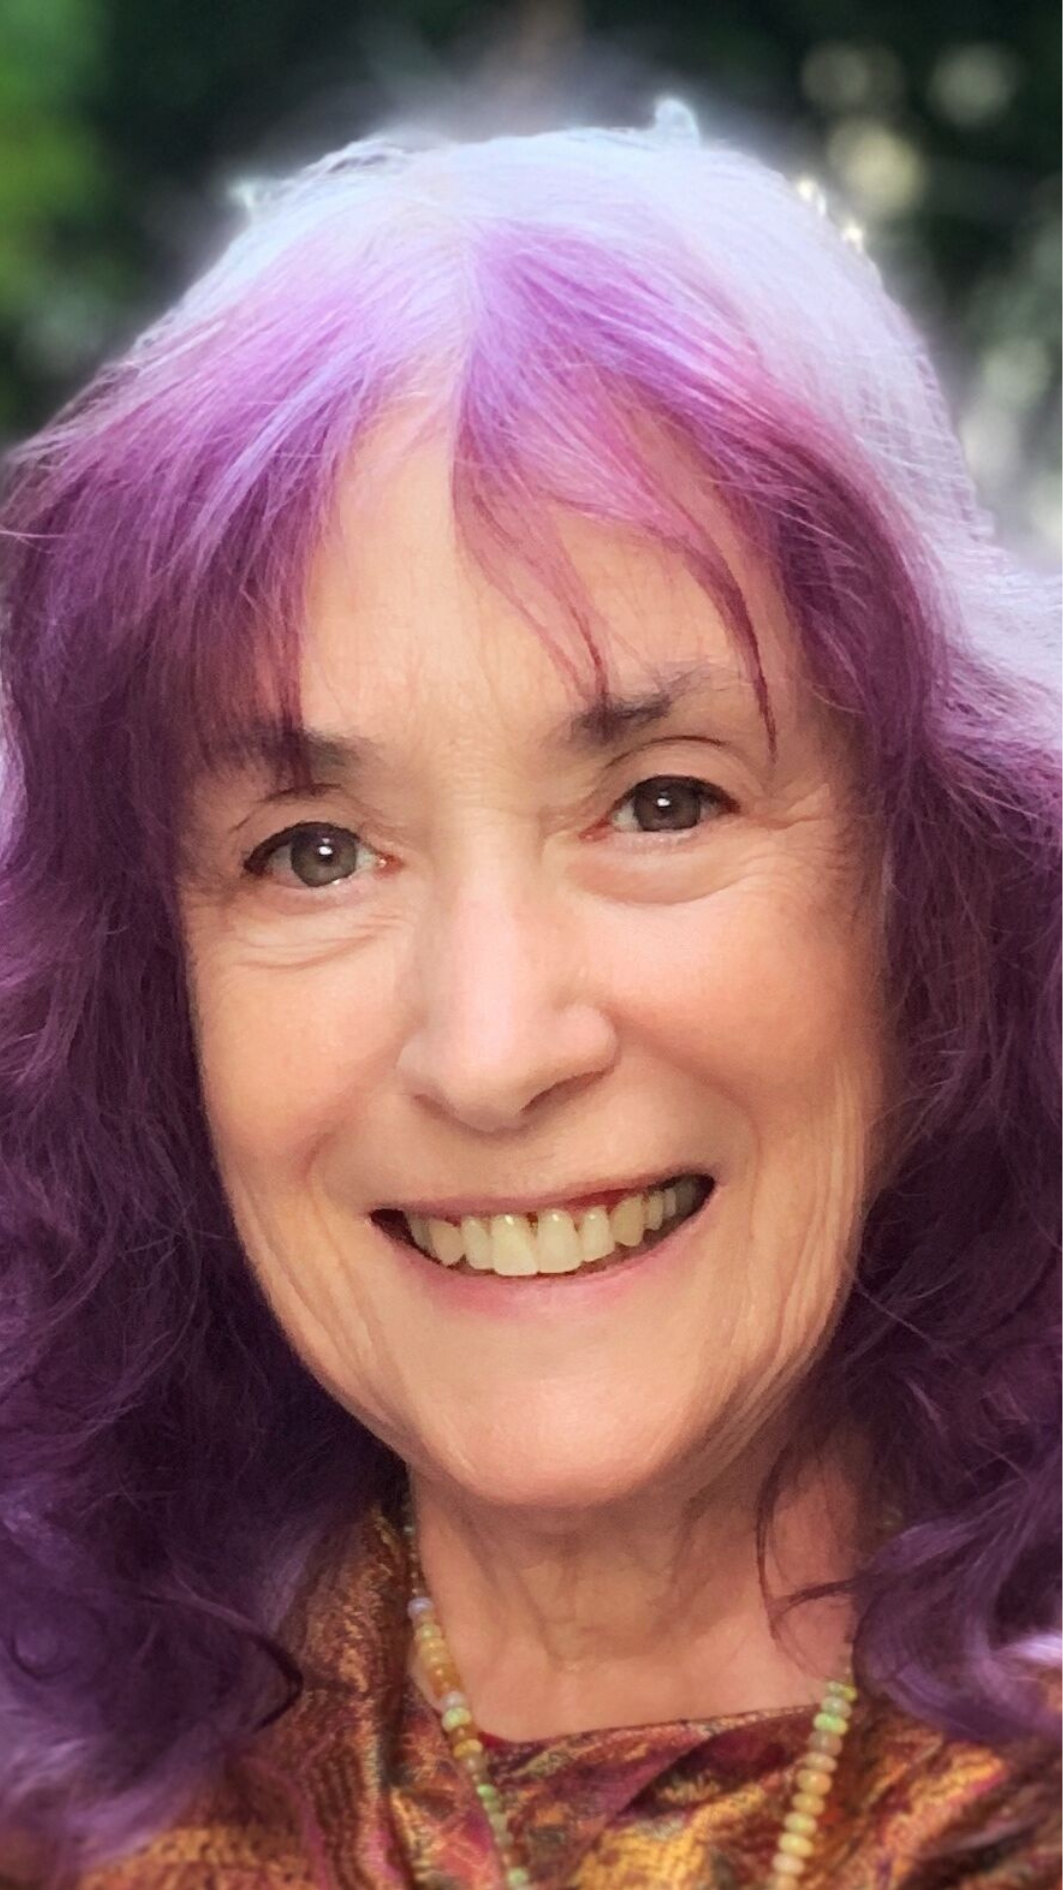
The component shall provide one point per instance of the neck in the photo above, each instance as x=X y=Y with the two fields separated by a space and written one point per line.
x=638 y=1612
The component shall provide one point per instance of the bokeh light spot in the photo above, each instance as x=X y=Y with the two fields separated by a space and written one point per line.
x=882 y=171
x=973 y=85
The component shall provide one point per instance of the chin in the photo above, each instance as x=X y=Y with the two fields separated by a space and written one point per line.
x=568 y=1474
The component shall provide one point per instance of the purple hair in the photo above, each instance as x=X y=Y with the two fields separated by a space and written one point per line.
x=623 y=325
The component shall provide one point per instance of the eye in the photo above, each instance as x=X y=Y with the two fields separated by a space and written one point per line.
x=667 y=803
x=319 y=855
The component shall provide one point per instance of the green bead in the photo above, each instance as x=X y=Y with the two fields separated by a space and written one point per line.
x=830 y=1723
x=456 y=1716
x=489 y=1794
x=517 y=1878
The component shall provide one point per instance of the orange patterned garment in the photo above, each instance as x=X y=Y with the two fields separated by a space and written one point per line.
x=355 y=1788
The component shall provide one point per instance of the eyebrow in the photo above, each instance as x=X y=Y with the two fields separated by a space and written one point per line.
x=603 y=725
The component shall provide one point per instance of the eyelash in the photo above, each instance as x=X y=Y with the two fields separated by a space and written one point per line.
x=256 y=862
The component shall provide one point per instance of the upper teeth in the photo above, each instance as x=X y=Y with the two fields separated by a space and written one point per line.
x=554 y=1241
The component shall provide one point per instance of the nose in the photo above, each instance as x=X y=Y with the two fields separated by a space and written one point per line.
x=502 y=1007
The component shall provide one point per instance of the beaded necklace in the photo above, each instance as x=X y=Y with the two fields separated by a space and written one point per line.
x=815 y=1768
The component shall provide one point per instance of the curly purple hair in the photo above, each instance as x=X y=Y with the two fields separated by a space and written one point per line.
x=568 y=303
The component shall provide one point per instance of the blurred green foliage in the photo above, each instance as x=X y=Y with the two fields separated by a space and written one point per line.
x=122 y=123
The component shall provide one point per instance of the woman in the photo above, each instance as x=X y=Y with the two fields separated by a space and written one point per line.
x=528 y=1062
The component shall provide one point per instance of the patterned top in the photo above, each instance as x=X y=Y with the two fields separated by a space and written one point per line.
x=354 y=1787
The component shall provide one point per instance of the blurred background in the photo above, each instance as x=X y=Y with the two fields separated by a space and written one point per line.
x=124 y=125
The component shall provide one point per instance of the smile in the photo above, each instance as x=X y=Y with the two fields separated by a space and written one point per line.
x=553 y=1240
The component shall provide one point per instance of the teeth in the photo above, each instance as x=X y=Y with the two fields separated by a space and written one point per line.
x=446 y=1242
x=515 y=1246
x=477 y=1237
x=596 y=1235
x=629 y=1220
x=558 y=1242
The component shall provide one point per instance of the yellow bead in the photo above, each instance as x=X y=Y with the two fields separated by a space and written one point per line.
x=800 y=1822
x=824 y=1742
x=442 y=1679
x=836 y=1703
x=811 y=1779
x=819 y=1761
x=809 y=1802
x=787 y=1867
x=795 y=1846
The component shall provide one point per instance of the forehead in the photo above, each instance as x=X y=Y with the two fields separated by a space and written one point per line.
x=401 y=616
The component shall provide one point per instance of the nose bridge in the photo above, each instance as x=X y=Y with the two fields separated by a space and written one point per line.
x=502 y=1010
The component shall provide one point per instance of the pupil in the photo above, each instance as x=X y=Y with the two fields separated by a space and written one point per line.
x=314 y=856
x=668 y=804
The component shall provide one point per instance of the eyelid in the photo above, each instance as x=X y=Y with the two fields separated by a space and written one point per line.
x=678 y=774
x=685 y=738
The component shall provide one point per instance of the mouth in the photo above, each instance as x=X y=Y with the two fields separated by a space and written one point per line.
x=557 y=1241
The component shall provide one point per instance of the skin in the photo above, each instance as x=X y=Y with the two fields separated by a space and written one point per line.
x=508 y=988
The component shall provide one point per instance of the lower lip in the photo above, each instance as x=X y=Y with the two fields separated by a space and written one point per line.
x=560 y=1295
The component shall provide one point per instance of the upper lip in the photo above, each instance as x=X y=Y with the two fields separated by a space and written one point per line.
x=580 y=1194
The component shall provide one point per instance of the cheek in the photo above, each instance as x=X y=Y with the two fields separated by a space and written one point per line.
x=281 y=1050
x=760 y=993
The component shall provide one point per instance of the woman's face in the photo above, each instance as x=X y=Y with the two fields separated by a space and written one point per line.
x=493 y=970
